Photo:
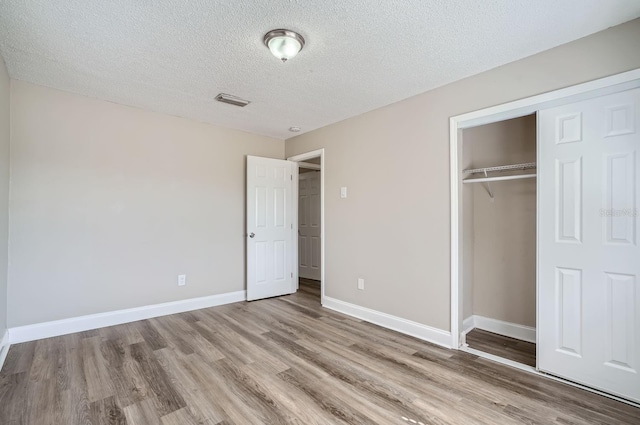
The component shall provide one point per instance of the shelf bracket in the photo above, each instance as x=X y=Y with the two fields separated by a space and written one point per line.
x=487 y=186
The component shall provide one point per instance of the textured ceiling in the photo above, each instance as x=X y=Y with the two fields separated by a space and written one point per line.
x=174 y=56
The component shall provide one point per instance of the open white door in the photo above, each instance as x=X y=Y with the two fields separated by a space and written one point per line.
x=269 y=228
x=589 y=259
x=309 y=225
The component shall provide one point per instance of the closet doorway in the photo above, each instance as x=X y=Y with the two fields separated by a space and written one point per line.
x=499 y=242
x=587 y=228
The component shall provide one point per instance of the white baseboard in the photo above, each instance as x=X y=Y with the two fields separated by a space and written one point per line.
x=408 y=327
x=101 y=320
x=468 y=325
x=4 y=347
x=512 y=330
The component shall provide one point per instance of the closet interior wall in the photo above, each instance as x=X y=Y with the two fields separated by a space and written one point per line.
x=499 y=241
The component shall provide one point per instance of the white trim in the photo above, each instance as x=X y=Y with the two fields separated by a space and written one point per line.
x=499 y=359
x=398 y=324
x=529 y=105
x=300 y=158
x=468 y=324
x=518 y=108
x=94 y=321
x=455 y=259
x=537 y=233
x=500 y=327
x=4 y=348
x=534 y=371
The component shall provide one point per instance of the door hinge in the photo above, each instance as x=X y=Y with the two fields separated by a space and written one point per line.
x=291 y=274
x=291 y=175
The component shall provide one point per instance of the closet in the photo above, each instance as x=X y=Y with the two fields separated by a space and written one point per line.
x=546 y=235
x=499 y=243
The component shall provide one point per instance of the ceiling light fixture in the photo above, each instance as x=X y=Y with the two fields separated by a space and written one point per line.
x=294 y=129
x=284 y=44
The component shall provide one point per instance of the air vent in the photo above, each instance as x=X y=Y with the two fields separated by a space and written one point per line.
x=232 y=100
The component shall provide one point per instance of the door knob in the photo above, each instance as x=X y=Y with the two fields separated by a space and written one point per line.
x=251 y=235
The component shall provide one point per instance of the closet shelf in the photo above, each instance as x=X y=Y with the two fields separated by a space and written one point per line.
x=512 y=167
x=499 y=178
x=486 y=179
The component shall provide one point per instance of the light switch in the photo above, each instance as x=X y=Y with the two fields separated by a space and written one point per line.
x=343 y=192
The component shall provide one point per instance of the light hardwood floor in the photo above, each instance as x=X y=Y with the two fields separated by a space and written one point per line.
x=509 y=348
x=276 y=361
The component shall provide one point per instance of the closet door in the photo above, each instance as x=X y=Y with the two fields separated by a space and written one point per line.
x=588 y=255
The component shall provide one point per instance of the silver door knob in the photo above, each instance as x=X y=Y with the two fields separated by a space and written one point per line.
x=252 y=235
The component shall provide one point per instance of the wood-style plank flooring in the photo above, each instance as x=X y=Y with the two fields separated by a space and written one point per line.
x=509 y=348
x=276 y=361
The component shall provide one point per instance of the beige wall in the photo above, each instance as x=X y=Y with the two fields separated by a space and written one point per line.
x=504 y=229
x=4 y=191
x=110 y=203
x=393 y=229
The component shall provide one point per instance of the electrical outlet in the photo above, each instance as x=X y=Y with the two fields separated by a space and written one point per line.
x=182 y=279
x=361 y=283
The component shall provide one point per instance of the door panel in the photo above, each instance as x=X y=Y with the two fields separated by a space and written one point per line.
x=568 y=311
x=269 y=220
x=569 y=203
x=620 y=327
x=620 y=192
x=589 y=259
x=309 y=225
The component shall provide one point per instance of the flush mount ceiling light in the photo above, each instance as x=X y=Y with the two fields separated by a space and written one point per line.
x=284 y=44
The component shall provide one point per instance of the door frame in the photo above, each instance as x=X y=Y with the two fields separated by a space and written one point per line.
x=600 y=87
x=296 y=171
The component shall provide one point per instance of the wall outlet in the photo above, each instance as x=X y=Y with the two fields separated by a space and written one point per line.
x=182 y=279
x=361 y=283
x=343 y=192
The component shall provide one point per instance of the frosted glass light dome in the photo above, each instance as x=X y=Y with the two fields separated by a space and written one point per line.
x=284 y=44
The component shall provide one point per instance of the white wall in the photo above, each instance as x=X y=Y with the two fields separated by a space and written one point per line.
x=110 y=203
x=394 y=228
x=504 y=229
x=4 y=191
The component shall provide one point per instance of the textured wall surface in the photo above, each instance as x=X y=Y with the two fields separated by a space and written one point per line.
x=504 y=229
x=110 y=203
x=394 y=228
x=4 y=191
x=175 y=56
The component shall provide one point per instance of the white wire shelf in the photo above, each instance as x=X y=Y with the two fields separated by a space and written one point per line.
x=512 y=167
x=500 y=178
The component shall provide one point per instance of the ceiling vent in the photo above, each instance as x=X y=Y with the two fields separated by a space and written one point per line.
x=232 y=100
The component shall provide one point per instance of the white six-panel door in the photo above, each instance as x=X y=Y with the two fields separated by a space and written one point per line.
x=309 y=225
x=589 y=259
x=269 y=228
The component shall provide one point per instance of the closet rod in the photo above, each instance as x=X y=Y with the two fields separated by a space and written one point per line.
x=495 y=179
x=524 y=166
